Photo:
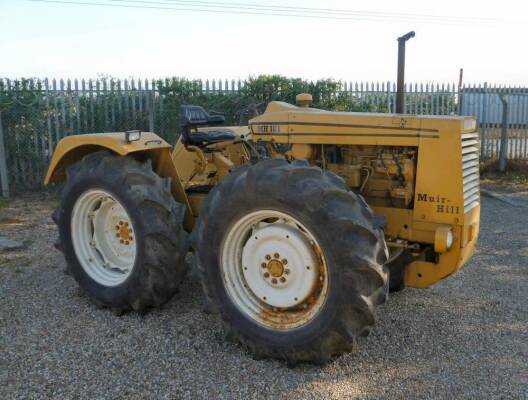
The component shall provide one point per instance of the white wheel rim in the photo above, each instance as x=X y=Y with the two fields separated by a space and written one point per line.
x=274 y=270
x=103 y=237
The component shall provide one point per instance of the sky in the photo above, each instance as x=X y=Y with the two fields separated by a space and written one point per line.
x=53 y=40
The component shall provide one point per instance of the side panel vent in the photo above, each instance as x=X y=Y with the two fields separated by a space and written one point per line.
x=470 y=170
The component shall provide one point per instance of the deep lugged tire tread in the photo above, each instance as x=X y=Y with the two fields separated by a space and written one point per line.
x=166 y=242
x=366 y=284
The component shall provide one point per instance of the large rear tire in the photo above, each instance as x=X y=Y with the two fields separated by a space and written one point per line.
x=121 y=232
x=291 y=260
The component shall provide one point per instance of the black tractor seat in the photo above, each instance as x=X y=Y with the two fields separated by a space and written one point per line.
x=210 y=137
x=193 y=117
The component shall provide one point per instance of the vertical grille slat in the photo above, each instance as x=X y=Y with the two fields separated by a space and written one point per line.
x=470 y=170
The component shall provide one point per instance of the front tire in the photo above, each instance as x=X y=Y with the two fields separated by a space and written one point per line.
x=264 y=220
x=121 y=232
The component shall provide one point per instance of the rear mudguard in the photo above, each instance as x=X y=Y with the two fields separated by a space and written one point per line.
x=150 y=146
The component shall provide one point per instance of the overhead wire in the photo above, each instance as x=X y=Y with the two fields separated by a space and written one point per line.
x=308 y=10
x=276 y=10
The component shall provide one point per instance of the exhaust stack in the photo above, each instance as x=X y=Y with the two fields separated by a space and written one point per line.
x=400 y=91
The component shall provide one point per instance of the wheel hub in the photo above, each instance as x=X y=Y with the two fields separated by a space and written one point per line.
x=280 y=265
x=103 y=237
x=275 y=268
x=124 y=232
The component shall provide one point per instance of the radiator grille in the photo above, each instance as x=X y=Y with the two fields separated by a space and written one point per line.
x=470 y=170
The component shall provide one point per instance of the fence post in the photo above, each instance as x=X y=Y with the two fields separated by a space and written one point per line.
x=151 y=110
x=503 y=154
x=48 y=118
x=460 y=99
x=3 y=163
x=484 y=127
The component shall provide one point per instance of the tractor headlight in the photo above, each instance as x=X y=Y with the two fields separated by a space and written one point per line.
x=450 y=239
x=132 y=136
x=443 y=239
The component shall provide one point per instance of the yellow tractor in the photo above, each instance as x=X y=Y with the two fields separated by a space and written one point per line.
x=300 y=223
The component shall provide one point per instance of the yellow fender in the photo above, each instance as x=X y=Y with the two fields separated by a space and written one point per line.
x=150 y=146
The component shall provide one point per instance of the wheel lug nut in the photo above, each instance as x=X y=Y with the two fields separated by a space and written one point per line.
x=117 y=234
x=263 y=265
x=268 y=257
x=274 y=281
x=120 y=222
x=117 y=227
x=287 y=271
x=122 y=241
x=266 y=275
x=284 y=261
x=276 y=255
x=283 y=279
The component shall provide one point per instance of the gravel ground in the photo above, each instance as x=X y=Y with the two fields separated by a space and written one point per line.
x=466 y=337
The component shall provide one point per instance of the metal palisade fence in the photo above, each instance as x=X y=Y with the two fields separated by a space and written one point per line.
x=35 y=114
x=498 y=109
